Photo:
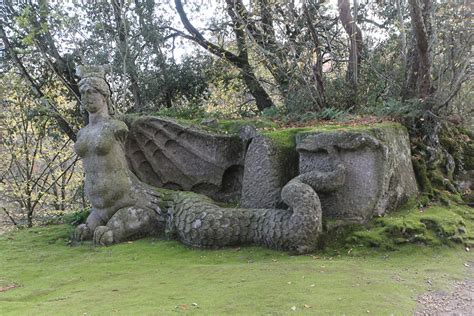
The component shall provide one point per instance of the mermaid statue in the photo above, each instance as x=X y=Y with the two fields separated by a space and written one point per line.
x=124 y=208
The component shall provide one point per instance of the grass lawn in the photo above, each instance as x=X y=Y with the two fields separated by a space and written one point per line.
x=156 y=277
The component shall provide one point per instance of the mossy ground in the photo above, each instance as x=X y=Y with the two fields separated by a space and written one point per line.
x=159 y=277
x=435 y=225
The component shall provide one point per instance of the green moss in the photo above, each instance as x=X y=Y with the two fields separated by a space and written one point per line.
x=437 y=178
x=469 y=155
x=234 y=126
x=228 y=126
x=434 y=225
x=374 y=237
x=402 y=227
x=158 y=277
x=458 y=143
x=421 y=174
x=285 y=139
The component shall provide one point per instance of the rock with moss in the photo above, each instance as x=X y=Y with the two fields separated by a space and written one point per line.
x=378 y=163
x=433 y=226
x=379 y=176
x=268 y=167
x=169 y=155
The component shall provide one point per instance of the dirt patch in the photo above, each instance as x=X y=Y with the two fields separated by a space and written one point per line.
x=7 y=288
x=458 y=302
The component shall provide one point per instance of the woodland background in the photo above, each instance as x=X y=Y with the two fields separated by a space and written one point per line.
x=295 y=62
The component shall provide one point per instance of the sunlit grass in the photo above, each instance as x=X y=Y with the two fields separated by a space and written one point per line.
x=164 y=277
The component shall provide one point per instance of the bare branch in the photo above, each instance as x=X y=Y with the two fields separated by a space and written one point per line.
x=62 y=123
x=197 y=37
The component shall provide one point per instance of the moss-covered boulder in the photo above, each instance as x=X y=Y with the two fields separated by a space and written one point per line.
x=269 y=165
x=377 y=159
x=435 y=225
x=379 y=171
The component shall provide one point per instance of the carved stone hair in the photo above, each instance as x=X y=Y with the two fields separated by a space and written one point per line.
x=94 y=76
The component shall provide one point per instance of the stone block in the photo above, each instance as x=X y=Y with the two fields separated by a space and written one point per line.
x=379 y=173
x=268 y=167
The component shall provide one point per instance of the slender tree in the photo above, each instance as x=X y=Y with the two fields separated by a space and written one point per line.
x=239 y=60
x=355 y=38
x=419 y=82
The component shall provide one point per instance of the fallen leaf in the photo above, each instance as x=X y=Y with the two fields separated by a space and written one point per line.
x=8 y=287
x=293 y=308
x=182 y=307
x=312 y=285
x=289 y=282
x=307 y=306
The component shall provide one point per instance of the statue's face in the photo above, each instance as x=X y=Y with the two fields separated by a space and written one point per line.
x=93 y=100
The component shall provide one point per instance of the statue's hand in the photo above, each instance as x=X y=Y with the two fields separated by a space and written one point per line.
x=82 y=233
x=103 y=236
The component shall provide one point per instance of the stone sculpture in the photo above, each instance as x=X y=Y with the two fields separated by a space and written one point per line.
x=379 y=172
x=286 y=186
x=253 y=166
x=167 y=155
x=122 y=206
x=125 y=208
x=198 y=222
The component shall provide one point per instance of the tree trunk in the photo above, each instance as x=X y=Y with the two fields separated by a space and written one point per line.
x=355 y=36
x=129 y=66
x=419 y=81
x=241 y=60
x=262 y=99
x=403 y=35
x=29 y=213
x=318 y=67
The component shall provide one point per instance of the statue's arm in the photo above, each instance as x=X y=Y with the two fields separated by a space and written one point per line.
x=121 y=131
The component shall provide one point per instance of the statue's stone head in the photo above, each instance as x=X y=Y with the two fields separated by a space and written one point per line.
x=93 y=80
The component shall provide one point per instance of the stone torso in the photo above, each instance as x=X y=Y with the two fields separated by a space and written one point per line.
x=101 y=148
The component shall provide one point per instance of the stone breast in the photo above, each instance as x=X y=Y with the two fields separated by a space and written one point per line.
x=98 y=141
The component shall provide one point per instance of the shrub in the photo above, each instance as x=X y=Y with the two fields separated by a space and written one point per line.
x=76 y=218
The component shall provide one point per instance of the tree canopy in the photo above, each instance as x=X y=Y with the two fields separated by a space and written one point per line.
x=293 y=60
